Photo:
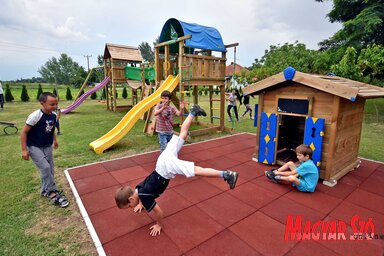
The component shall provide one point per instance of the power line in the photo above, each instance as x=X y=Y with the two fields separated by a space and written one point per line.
x=14 y=47
x=6 y=46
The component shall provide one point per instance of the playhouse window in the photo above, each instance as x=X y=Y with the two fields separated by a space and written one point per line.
x=293 y=106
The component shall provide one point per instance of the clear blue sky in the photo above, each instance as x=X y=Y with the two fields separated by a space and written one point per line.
x=33 y=31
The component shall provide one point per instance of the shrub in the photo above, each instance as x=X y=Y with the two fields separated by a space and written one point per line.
x=206 y=90
x=125 y=93
x=68 y=94
x=24 y=94
x=103 y=94
x=39 y=91
x=93 y=96
x=8 y=94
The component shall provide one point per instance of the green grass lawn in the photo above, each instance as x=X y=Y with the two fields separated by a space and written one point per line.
x=30 y=225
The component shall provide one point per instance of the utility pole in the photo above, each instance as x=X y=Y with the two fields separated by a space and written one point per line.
x=88 y=56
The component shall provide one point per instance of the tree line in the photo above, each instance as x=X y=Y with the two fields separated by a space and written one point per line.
x=24 y=96
x=366 y=65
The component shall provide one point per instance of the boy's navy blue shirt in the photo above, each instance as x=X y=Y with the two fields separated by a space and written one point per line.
x=150 y=189
x=42 y=129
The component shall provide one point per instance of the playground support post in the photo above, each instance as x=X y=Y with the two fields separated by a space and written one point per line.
x=86 y=80
x=181 y=86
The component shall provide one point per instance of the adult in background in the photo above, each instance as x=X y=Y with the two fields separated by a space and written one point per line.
x=1 y=97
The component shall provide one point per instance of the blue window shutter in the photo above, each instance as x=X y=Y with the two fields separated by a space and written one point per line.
x=313 y=137
x=255 y=116
x=267 y=144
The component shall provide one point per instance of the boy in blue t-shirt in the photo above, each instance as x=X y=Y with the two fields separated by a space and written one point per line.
x=37 y=138
x=304 y=177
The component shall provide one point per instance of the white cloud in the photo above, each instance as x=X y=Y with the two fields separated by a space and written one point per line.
x=100 y=35
x=83 y=27
x=66 y=31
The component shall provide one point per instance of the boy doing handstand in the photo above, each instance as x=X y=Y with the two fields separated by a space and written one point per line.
x=304 y=177
x=167 y=166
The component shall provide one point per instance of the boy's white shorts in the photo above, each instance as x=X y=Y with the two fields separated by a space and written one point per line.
x=168 y=164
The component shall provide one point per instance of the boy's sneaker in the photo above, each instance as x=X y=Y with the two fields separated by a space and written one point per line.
x=271 y=175
x=196 y=110
x=59 y=199
x=231 y=178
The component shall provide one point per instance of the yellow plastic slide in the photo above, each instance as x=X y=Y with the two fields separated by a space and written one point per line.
x=129 y=120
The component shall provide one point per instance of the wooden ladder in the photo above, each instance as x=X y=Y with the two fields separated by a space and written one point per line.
x=211 y=106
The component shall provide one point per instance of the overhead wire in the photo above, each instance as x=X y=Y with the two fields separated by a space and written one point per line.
x=7 y=46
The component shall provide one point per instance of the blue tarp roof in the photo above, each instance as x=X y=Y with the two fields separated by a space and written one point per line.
x=207 y=38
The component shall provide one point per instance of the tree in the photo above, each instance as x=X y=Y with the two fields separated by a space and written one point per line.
x=62 y=71
x=24 y=94
x=363 y=24
x=79 y=77
x=347 y=67
x=8 y=94
x=277 y=58
x=371 y=64
x=323 y=60
x=39 y=92
x=147 y=52
x=55 y=92
x=100 y=60
x=68 y=94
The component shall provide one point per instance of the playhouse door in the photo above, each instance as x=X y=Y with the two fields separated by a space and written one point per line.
x=313 y=136
x=267 y=144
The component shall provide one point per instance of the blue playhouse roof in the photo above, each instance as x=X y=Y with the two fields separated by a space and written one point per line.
x=207 y=38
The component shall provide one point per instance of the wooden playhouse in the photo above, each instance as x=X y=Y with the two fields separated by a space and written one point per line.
x=196 y=53
x=116 y=58
x=325 y=112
